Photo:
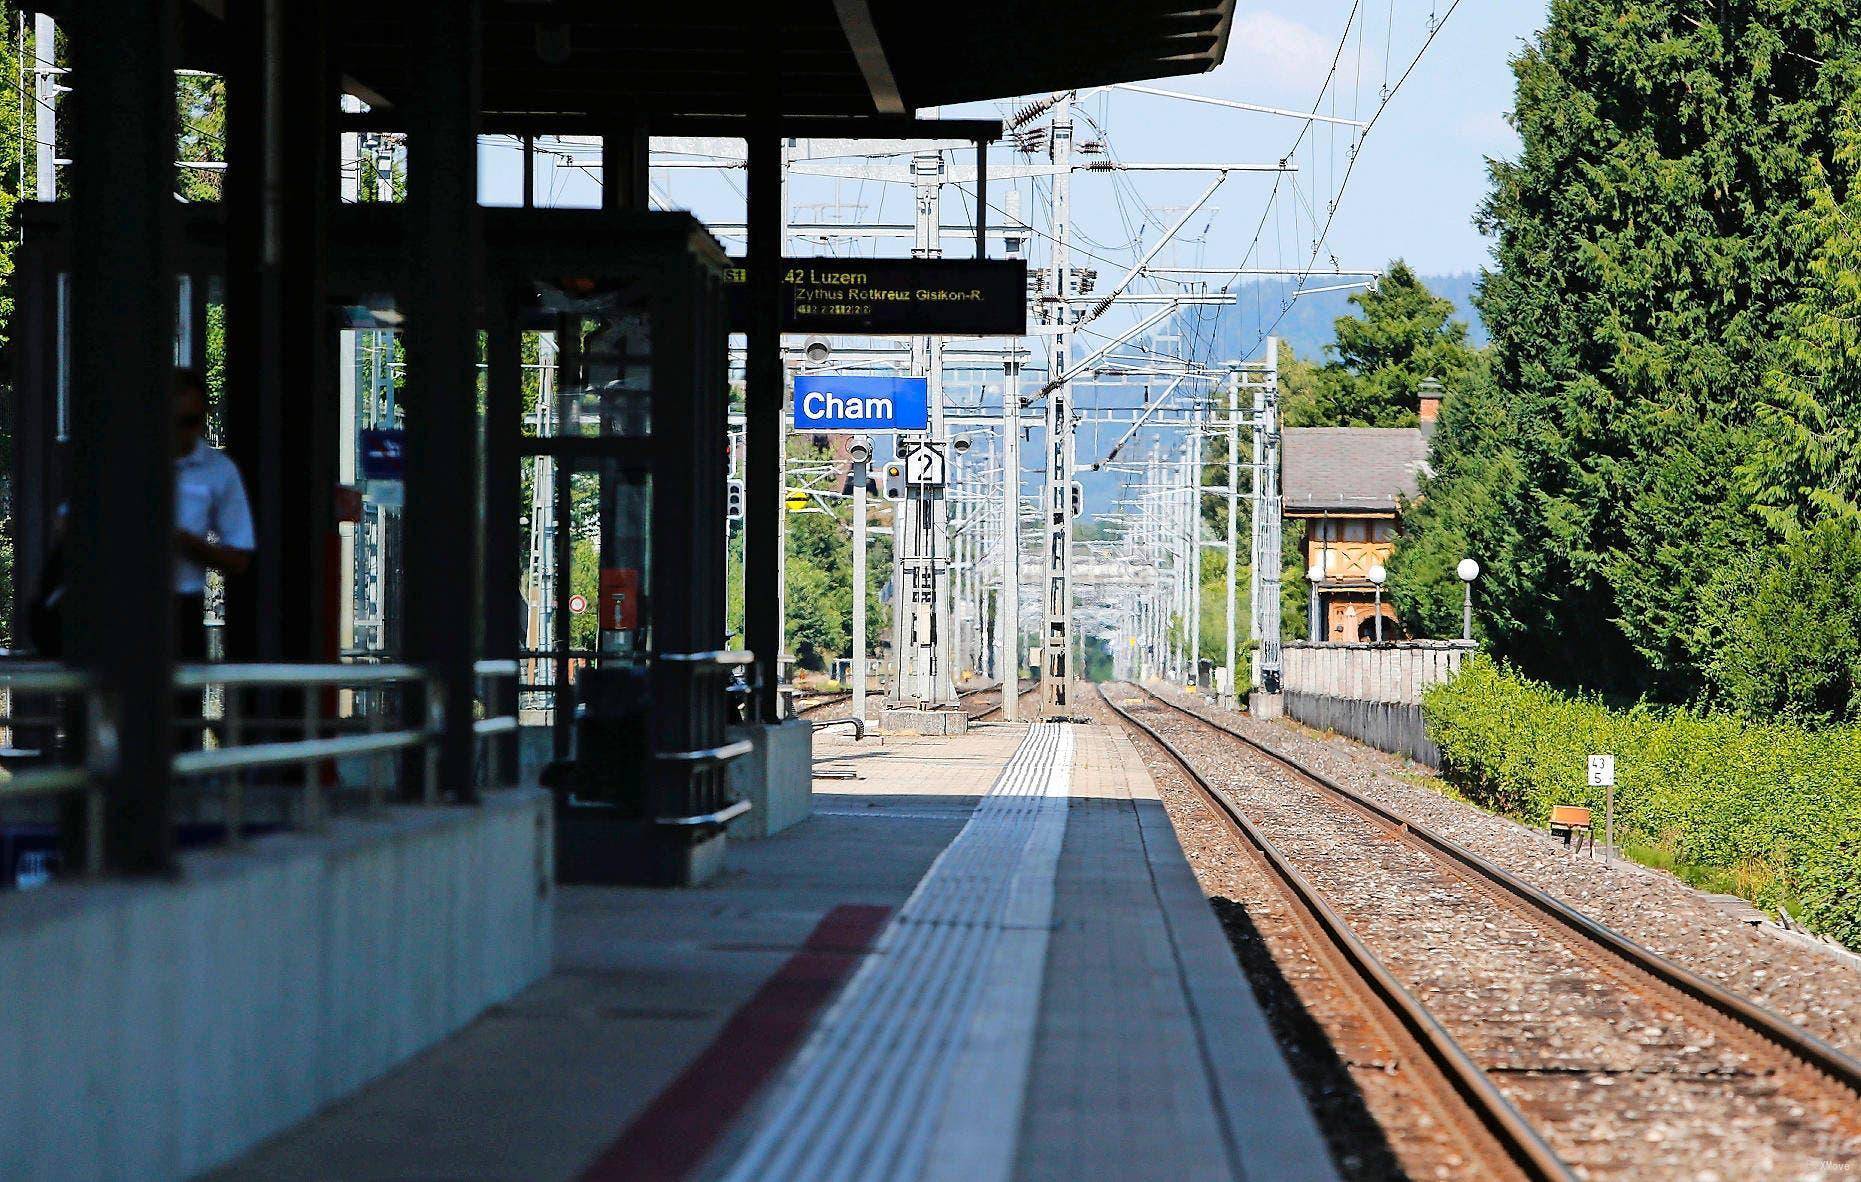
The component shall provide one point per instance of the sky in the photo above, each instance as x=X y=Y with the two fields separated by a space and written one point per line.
x=1422 y=171
x=1412 y=193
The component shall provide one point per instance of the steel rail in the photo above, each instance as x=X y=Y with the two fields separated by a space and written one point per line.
x=1831 y=1061
x=836 y=699
x=1514 y=1134
x=996 y=709
x=824 y=703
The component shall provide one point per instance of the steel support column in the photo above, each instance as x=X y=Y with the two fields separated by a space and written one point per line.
x=119 y=608
x=280 y=386
x=762 y=436
x=503 y=604
x=442 y=546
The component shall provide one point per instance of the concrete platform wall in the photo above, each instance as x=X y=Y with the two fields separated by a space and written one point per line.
x=1370 y=692
x=156 y=1029
x=1387 y=726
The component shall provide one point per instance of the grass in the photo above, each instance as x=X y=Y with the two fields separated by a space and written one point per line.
x=1435 y=784
x=1746 y=880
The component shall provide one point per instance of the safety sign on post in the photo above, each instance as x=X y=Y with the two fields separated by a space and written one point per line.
x=1602 y=775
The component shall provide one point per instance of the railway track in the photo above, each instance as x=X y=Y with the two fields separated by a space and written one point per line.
x=825 y=702
x=965 y=697
x=996 y=707
x=1554 y=1047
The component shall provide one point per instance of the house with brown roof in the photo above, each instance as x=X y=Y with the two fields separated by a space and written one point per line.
x=1348 y=483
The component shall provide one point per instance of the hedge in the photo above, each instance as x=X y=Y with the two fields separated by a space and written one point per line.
x=1775 y=806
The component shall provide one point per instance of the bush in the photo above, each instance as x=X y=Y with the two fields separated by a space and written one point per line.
x=1775 y=807
x=1783 y=630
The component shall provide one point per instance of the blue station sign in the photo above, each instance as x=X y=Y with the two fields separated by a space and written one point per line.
x=846 y=403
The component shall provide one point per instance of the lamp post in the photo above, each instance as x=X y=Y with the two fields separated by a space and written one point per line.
x=1468 y=570
x=1314 y=576
x=1378 y=575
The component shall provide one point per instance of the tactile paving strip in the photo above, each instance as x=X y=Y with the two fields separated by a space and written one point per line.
x=923 y=1058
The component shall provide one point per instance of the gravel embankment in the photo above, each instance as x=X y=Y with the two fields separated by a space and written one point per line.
x=1819 y=991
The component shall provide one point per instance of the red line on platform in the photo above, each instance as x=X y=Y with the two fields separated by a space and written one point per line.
x=683 y=1125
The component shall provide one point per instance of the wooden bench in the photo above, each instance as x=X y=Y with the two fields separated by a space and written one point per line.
x=1570 y=821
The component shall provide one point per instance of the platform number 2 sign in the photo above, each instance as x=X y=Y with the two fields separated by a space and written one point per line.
x=925 y=465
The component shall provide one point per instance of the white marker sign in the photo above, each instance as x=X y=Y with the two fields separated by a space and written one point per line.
x=1602 y=771
x=925 y=465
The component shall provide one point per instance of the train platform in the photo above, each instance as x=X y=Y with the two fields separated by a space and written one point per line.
x=984 y=957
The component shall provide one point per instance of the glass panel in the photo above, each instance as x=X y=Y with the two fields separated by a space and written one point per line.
x=500 y=170
x=184 y=326
x=372 y=412
x=609 y=554
x=567 y=172
x=592 y=364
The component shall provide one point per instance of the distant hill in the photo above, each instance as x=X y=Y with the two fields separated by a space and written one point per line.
x=1306 y=326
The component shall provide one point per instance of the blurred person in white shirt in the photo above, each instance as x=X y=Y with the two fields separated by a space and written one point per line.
x=212 y=529
x=212 y=519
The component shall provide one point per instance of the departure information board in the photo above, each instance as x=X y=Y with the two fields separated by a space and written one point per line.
x=932 y=297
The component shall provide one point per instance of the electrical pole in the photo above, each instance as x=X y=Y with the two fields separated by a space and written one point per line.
x=1195 y=556
x=1152 y=522
x=1234 y=480
x=1267 y=518
x=921 y=588
x=860 y=468
x=45 y=114
x=1057 y=509
x=1008 y=612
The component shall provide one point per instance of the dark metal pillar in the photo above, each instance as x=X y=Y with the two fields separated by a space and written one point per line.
x=442 y=545
x=625 y=153
x=503 y=498
x=32 y=422
x=280 y=398
x=982 y=199
x=122 y=499
x=762 y=436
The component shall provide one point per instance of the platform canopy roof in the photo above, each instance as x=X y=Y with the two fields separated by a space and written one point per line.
x=601 y=60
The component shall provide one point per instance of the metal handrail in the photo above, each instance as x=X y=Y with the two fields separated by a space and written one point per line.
x=47 y=677
x=722 y=656
x=719 y=754
x=720 y=817
x=285 y=676
x=44 y=677
x=44 y=781
x=194 y=763
x=858 y=725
